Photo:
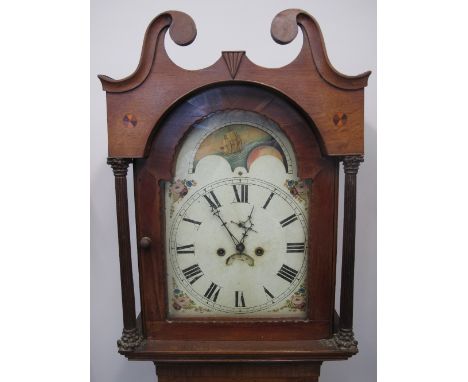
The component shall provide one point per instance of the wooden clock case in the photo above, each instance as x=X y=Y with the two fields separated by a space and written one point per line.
x=322 y=113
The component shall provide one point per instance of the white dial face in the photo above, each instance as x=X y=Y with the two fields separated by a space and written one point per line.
x=236 y=222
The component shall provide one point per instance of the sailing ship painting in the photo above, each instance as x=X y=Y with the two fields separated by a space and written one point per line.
x=232 y=143
x=240 y=145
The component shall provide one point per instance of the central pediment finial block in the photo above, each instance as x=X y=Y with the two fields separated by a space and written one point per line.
x=233 y=60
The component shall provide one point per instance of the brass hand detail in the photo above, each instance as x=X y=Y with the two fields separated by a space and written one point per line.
x=240 y=247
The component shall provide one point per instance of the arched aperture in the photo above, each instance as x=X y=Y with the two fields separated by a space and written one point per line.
x=271 y=108
x=157 y=173
x=238 y=136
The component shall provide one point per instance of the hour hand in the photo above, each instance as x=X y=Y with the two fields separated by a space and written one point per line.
x=242 y=225
x=248 y=227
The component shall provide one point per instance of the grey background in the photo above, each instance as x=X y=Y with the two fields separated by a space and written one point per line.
x=117 y=30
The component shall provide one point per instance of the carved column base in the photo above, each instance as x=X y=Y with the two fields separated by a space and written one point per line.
x=344 y=340
x=130 y=340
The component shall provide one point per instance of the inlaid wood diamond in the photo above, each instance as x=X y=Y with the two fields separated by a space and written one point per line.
x=129 y=120
x=339 y=119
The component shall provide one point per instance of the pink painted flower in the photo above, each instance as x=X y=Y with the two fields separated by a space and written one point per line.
x=183 y=192
x=177 y=186
x=178 y=190
x=301 y=187
x=183 y=301
x=176 y=306
x=298 y=301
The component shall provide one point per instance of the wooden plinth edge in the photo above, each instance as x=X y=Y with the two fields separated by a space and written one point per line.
x=239 y=372
x=238 y=351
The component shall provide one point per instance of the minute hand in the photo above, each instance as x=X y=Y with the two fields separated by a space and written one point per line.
x=224 y=224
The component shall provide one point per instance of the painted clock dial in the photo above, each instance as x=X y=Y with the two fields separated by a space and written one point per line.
x=236 y=221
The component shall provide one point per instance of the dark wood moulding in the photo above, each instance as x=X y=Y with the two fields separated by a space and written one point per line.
x=345 y=336
x=322 y=113
x=130 y=337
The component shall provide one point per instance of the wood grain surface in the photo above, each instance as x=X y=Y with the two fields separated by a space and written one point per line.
x=321 y=111
x=310 y=82
x=149 y=192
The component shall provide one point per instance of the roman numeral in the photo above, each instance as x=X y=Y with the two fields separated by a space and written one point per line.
x=268 y=292
x=243 y=196
x=288 y=220
x=192 y=273
x=212 y=292
x=287 y=273
x=214 y=204
x=295 y=247
x=268 y=201
x=189 y=248
x=240 y=302
x=191 y=221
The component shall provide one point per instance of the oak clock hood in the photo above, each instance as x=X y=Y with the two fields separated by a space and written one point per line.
x=236 y=179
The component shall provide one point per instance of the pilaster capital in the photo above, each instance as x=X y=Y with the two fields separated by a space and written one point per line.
x=351 y=163
x=119 y=165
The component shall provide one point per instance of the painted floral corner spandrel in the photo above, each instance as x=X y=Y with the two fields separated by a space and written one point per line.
x=297 y=302
x=181 y=301
x=178 y=189
x=298 y=188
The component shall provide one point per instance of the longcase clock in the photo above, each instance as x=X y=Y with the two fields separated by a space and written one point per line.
x=236 y=172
